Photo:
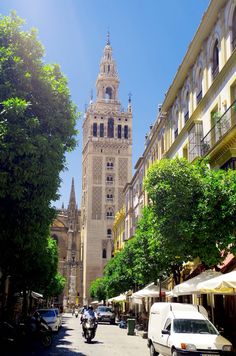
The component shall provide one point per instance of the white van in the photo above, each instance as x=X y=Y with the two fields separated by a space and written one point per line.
x=183 y=329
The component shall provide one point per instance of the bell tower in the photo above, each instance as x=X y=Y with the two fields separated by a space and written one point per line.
x=107 y=81
x=106 y=168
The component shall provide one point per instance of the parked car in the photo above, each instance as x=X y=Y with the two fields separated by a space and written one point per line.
x=50 y=316
x=105 y=314
x=59 y=316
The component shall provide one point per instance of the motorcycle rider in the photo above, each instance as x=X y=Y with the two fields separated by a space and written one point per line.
x=88 y=314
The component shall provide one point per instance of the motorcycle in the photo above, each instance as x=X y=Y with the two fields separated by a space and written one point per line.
x=37 y=329
x=76 y=313
x=19 y=335
x=8 y=335
x=89 y=328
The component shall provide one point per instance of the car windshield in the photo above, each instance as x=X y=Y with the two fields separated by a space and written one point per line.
x=193 y=326
x=47 y=313
x=104 y=309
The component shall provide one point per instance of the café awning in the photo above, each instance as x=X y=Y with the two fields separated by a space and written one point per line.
x=191 y=286
x=119 y=298
x=222 y=284
x=151 y=290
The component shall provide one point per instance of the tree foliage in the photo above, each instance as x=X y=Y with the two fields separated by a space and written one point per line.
x=97 y=289
x=146 y=247
x=191 y=213
x=37 y=127
x=194 y=207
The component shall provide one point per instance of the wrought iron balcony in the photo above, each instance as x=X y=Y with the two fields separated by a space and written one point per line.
x=222 y=125
x=195 y=136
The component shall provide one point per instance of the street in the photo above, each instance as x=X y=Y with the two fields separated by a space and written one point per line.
x=109 y=340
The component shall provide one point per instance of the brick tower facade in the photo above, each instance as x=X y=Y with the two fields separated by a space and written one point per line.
x=106 y=168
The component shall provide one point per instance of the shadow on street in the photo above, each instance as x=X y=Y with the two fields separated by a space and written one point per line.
x=60 y=346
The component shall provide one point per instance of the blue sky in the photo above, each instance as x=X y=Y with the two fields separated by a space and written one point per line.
x=149 y=40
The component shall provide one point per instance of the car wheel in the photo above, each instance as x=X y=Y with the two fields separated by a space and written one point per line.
x=152 y=351
x=46 y=340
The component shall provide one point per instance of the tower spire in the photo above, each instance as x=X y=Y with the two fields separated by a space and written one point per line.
x=72 y=201
x=107 y=83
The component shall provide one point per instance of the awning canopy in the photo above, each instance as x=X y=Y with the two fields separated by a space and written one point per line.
x=95 y=302
x=223 y=284
x=36 y=295
x=119 y=298
x=151 y=290
x=191 y=286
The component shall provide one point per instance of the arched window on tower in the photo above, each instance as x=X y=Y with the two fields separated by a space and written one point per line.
x=101 y=130
x=215 y=59
x=234 y=30
x=126 y=131
x=110 y=130
x=119 y=131
x=109 y=233
x=104 y=253
x=109 y=196
x=110 y=165
x=108 y=93
x=110 y=214
x=109 y=180
x=95 y=129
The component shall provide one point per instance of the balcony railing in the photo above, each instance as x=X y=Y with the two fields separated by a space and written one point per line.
x=109 y=199
x=110 y=217
x=221 y=127
x=195 y=136
x=109 y=182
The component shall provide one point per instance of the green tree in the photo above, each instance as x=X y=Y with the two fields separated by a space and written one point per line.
x=37 y=128
x=147 y=261
x=56 y=286
x=119 y=271
x=194 y=208
x=97 y=289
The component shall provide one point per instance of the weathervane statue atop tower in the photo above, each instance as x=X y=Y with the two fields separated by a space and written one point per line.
x=108 y=38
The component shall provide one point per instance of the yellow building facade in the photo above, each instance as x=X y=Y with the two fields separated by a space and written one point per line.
x=119 y=231
x=198 y=115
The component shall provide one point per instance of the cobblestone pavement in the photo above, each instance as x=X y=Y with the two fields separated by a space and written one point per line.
x=109 y=340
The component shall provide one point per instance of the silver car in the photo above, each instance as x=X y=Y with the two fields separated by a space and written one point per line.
x=105 y=314
x=50 y=316
x=59 y=316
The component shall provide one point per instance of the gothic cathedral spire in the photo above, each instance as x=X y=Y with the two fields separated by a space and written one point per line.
x=72 y=201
